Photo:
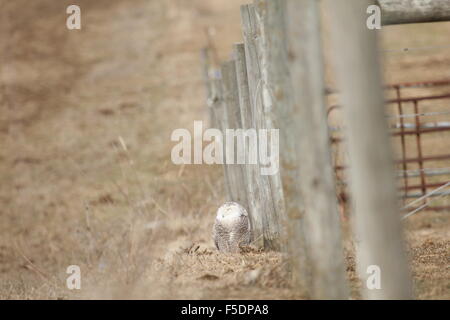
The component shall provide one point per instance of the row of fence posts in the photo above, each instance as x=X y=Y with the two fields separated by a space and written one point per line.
x=276 y=81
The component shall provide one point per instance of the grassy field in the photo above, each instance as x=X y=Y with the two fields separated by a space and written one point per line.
x=85 y=169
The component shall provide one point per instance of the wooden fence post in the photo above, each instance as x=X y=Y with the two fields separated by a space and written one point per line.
x=294 y=235
x=268 y=102
x=232 y=114
x=376 y=214
x=251 y=170
x=303 y=117
x=219 y=116
x=207 y=70
x=265 y=189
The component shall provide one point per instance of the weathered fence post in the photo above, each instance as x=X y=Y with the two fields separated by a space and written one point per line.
x=289 y=156
x=207 y=70
x=268 y=104
x=220 y=121
x=264 y=200
x=232 y=114
x=376 y=215
x=250 y=168
x=302 y=110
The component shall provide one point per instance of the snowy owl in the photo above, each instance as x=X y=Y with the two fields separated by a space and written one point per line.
x=232 y=227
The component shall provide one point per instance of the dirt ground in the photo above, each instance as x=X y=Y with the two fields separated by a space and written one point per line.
x=85 y=170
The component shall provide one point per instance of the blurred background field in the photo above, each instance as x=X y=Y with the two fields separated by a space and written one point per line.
x=85 y=169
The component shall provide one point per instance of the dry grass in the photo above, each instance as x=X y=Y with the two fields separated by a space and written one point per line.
x=85 y=157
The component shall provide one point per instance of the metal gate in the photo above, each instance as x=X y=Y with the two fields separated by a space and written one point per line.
x=419 y=121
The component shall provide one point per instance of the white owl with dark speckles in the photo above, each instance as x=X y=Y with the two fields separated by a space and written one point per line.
x=232 y=227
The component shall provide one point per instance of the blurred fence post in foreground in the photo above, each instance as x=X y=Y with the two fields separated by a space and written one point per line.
x=376 y=213
x=303 y=117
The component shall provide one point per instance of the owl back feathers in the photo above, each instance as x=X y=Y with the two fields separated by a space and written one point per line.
x=231 y=228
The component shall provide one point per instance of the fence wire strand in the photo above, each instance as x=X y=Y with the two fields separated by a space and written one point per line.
x=428 y=195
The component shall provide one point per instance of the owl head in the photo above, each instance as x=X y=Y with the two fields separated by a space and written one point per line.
x=230 y=211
